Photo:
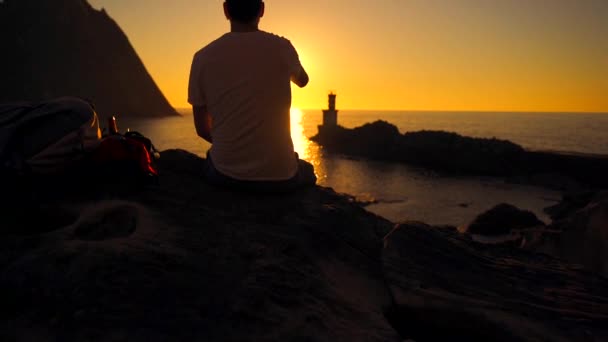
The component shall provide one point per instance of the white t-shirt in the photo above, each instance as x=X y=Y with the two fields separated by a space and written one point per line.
x=243 y=79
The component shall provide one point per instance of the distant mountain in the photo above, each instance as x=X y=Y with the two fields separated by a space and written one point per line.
x=53 y=48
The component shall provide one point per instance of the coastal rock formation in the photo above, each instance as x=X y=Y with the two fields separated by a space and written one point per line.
x=453 y=153
x=375 y=140
x=446 y=288
x=187 y=261
x=58 y=48
x=571 y=203
x=579 y=232
x=501 y=220
x=433 y=149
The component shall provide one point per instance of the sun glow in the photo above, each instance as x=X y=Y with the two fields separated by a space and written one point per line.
x=469 y=55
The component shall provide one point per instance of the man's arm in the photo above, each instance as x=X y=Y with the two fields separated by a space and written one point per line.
x=301 y=79
x=202 y=122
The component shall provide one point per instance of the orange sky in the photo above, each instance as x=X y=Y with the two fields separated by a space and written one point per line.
x=508 y=55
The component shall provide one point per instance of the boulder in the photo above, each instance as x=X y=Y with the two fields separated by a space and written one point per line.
x=503 y=219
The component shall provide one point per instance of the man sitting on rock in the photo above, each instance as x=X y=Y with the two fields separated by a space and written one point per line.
x=240 y=92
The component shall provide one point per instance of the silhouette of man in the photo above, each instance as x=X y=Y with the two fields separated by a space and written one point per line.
x=241 y=95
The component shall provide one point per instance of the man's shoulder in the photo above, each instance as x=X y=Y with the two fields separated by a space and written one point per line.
x=275 y=37
x=210 y=46
x=228 y=40
x=271 y=35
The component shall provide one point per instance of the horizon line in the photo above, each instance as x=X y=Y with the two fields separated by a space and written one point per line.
x=448 y=110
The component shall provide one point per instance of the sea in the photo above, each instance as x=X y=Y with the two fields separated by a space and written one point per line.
x=402 y=192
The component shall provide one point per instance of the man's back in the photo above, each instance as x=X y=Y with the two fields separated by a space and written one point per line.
x=243 y=80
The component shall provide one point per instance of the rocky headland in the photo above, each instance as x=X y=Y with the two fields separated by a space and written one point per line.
x=181 y=260
x=452 y=153
x=67 y=48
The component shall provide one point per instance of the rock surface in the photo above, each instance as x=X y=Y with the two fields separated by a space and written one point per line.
x=501 y=220
x=186 y=261
x=446 y=288
x=451 y=152
x=57 y=48
x=579 y=232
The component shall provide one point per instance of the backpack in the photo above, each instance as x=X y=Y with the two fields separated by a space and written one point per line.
x=48 y=137
x=125 y=159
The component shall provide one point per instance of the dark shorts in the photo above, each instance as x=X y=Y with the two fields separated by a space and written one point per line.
x=305 y=176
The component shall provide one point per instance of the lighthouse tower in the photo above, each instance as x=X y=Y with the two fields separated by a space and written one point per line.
x=330 y=115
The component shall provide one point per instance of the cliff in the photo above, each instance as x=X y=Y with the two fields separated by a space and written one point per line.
x=83 y=260
x=453 y=153
x=57 y=48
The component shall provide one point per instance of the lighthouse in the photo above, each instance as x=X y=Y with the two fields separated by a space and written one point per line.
x=329 y=130
x=330 y=115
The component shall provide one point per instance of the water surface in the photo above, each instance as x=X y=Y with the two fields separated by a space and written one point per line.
x=402 y=192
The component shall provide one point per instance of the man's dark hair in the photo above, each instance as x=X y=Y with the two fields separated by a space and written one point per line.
x=244 y=10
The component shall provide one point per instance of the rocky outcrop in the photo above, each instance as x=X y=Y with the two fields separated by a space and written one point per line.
x=434 y=149
x=58 y=48
x=375 y=140
x=571 y=203
x=579 y=231
x=186 y=261
x=503 y=219
x=453 y=153
x=446 y=288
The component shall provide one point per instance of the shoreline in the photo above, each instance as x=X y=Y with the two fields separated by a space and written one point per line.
x=455 y=154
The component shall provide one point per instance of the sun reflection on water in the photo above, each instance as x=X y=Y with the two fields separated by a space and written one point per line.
x=305 y=148
x=300 y=141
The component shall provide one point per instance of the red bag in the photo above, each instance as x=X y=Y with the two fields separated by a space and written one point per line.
x=124 y=159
